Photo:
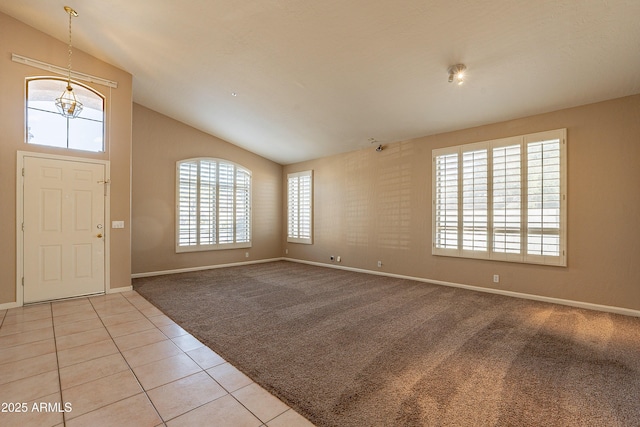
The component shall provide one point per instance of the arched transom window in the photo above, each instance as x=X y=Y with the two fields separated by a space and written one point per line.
x=46 y=126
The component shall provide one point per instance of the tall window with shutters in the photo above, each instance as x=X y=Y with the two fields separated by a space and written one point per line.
x=300 y=207
x=213 y=205
x=502 y=200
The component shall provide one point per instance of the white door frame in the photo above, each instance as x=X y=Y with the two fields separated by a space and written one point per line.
x=20 y=217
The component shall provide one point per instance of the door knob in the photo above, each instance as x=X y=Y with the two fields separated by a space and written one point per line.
x=99 y=235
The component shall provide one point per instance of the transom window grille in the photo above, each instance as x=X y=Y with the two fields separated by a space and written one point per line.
x=46 y=126
x=213 y=205
x=300 y=207
x=503 y=199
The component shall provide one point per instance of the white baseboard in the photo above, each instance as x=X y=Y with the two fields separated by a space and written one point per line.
x=571 y=303
x=8 y=305
x=205 y=267
x=122 y=289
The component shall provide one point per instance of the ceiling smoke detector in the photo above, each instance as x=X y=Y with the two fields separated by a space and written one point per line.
x=456 y=72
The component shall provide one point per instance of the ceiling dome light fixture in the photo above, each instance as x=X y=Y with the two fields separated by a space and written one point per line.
x=456 y=72
x=67 y=103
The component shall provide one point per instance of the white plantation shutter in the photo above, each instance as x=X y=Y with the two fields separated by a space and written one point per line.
x=445 y=209
x=507 y=200
x=208 y=197
x=300 y=207
x=214 y=205
x=293 y=213
x=187 y=204
x=243 y=206
x=226 y=203
x=304 y=207
x=474 y=200
x=543 y=199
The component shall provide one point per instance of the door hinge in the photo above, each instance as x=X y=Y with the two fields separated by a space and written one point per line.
x=23 y=226
x=22 y=171
x=23 y=282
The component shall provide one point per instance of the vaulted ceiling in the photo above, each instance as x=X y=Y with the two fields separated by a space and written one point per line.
x=316 y=78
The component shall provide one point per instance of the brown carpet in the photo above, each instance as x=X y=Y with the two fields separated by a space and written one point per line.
x=352 y=349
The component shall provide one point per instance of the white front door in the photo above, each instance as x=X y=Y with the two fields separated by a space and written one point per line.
x=64 y=250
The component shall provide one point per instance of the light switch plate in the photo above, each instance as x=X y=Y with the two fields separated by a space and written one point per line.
x=117 y=224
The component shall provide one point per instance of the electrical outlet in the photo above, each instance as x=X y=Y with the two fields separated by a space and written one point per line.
x=496 y=278
x=246 y=254
x=338 y=258
x=379 y=263
x=286 y=251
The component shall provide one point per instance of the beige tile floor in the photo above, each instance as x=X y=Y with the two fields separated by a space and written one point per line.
x=116 y=360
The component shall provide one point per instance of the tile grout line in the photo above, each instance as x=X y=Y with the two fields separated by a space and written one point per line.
x=122 y=298
x=184 y=352
x=128 y=365
x=229 y=393
x=264 y=423
x=55 y=346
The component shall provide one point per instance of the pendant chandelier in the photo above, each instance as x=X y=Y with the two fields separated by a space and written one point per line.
x=67 y=104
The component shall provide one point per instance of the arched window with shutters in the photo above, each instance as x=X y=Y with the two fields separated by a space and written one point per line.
x=46 y=126
x=213 y=205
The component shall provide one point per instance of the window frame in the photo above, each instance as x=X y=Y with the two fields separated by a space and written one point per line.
x=298 y=237
x=249 y=200
x=456 y=213
x=75 y=84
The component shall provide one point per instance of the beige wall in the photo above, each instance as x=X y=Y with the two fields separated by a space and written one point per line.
x=18 y=38
x=368 y=206
x=159 y=142
x=372 y=206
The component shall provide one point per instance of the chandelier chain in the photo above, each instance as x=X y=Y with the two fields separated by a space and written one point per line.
x=70 y=51
x=67 y=104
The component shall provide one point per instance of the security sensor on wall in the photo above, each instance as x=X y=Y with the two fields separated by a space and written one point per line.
x=372 y=140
